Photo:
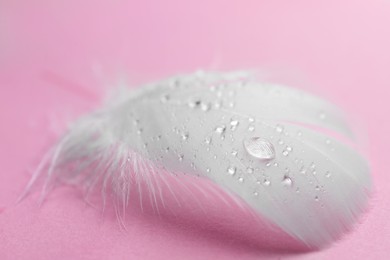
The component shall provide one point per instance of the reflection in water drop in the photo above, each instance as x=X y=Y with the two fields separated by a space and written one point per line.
x=259 y=148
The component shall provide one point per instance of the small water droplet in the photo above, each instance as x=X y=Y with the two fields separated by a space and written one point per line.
x=259 y=148
x=328 y=174
x=285 y=153
x=287 y=181
x=266 y=182
x=208 y=170
x=316 y=198
x=251 y=120
x=231 y=170
x=255 y=193
x=220 y=129
x=281 y=142
x=233 y=124
x=276 y=164
x=205 y=107
x=249 y=170
x=184 y=136
x=194 y=103
x=251 y=128
x=241 y=179
x=207 y=140
x=217 y=105
x=317 y=188
x=289 y=149
x=234 y=153
x=279 y=128
x=181 y=157
x=139 y=131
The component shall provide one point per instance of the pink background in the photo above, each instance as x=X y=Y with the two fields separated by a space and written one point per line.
x=55 y=56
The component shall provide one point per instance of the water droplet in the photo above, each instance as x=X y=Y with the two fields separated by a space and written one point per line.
x=208 y=170
x=249 y=170
x=241 y=179
x=231 y=170
x=251 y=120
x=139 y=131
x=328 y=174
x=289 y=149
x=317 y=188
x=285 y=153
x=184 y=136
x=217 y=105
x=281 y=142
x=266 y=182
x=251 y=128
x=181 y=157
x=287 y=182
x=207 y=140
x=279 y=128
x=316 y=198
x=220 y=129
x=276 y=164
x=255 y=193
x=194 y=103
x=205 y=107
x=259 y=148
x=233 y=124
x=234 y=153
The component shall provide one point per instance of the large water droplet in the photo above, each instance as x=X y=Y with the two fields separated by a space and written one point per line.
x=259 y=148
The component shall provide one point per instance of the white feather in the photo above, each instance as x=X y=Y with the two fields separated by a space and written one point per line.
x=273 y=147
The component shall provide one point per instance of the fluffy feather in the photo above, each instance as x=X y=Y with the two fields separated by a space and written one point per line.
x=273 y=147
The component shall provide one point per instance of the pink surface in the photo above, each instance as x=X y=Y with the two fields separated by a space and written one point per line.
x=54 y=58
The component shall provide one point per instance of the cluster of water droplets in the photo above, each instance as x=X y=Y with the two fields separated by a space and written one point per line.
x=259 y=151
